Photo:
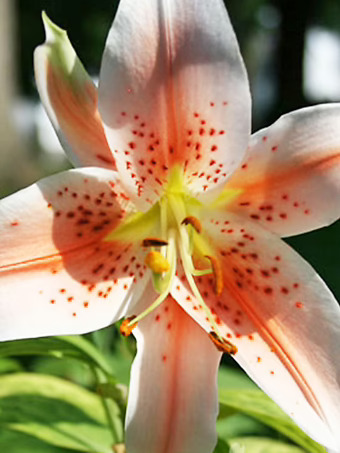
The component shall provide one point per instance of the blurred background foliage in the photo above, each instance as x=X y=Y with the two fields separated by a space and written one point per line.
x=292 y=52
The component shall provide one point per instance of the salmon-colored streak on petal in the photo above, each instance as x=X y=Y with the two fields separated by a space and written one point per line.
x=60 y=213
x=290 y=178
x=53 y=245
x=172 y=406
x=279 y=315
x=172 y=102
x=283 y=201
x=76 y=110
x=74 y=292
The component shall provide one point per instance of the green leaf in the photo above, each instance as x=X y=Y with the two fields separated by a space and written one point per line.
x=238 y=425
x=56 y=411
x=16 y=442
x=232 y=378
x=70 y=346
x=222 y=447
x=258 y=405
x=9 y=365
x=261 y=445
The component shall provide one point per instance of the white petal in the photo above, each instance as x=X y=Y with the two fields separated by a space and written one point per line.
x=282 y=318
x=172 y=405
x=70 y=99
x=173 y=90
x=291 y=176
x=57 y=273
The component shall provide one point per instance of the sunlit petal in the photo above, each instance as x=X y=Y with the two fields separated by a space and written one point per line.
x=173 y=90
x=173 y=392
x=57 y=274
x=291 y=174
x=281 y=317
x=70 y=99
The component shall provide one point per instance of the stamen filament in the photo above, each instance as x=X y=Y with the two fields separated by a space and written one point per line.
x=159 y=281
x=187 y=257
x=194 y=288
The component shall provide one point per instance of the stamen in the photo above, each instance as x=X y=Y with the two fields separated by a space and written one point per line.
x=192 y=284
x=222 y=344
x=165 y=283
x=127 y=326
x=217 y=271
x=157 y=262
x=194 y=222
x=154 y=242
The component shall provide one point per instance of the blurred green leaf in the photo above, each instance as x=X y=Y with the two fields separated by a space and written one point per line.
x=238 y=425
x=73 y=370
x=16 y=442
x=72 y=346
x=232 y=378
x=258 y=405
x=222 y=447
x=56 y=411
x=262 y=445
x=9 y=365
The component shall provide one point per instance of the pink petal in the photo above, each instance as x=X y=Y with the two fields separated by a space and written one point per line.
x=173 y=90
x=70 y=99
x=57 y=275
x=290 y=177
x=172 y=404
x=282 y=318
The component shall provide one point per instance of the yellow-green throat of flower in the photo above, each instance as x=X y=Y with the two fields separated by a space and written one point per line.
x=172 y=229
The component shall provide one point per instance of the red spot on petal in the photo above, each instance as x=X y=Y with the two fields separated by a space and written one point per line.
x=268 y=290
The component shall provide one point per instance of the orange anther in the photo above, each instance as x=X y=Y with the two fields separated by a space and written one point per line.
x=194 y=222
x=222 y=344
x=157 y=262
x=217 y=271
x=126 y=327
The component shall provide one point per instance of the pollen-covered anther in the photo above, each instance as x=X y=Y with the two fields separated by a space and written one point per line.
x=217 y=271
x=126 y=327
x=154 y=242
x=194 y=222
x=222 y=344
x=157 y=262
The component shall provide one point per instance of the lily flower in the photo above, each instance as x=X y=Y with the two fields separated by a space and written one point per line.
x=174 y=220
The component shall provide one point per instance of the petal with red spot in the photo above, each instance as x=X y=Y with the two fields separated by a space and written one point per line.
x=290 y=178
x=172 y=404
x=173 y=91
x=281 y=317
